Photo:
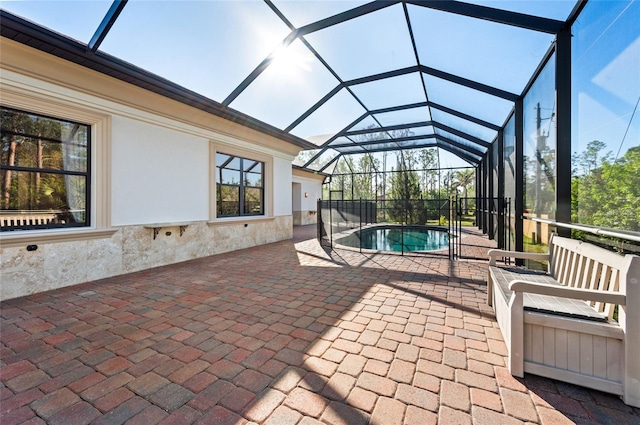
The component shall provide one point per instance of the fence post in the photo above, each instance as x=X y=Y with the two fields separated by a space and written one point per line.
x=319 y=220
x=406 y=219
x=460 y=226
x=509 y=226
x=330 y=221
x=360 y=228
x=451 y=235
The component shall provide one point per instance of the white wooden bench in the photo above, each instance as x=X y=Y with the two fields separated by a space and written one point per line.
x=561 y=324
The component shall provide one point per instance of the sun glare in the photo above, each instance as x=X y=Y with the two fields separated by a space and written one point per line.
x=289 y=60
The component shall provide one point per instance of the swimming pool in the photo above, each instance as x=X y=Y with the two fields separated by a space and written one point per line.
x=408 y=239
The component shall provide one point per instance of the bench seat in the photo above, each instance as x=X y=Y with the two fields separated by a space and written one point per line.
x=579 y=309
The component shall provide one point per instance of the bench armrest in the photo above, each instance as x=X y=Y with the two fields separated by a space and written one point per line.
x=498 y=253
x=567 y=292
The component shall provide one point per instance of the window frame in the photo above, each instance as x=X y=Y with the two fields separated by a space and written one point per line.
x=242 y=187
x=23 y=94
x=26 y=169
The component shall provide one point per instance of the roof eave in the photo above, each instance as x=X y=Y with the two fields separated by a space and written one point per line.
x=43 y=39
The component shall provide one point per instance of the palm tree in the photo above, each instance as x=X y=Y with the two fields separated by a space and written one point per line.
x=464 y=178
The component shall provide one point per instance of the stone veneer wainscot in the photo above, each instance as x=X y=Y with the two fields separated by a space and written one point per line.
x=129 y=249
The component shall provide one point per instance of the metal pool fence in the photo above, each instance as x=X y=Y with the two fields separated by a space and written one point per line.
x=339 y=218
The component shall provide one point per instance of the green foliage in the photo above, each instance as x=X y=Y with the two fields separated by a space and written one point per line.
x=43 y=144
x=604 y=192
x=410 y=191
x=355 y=177
x=405 y=187
x=428 y=160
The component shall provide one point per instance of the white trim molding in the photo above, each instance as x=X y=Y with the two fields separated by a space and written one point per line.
x=35 y=101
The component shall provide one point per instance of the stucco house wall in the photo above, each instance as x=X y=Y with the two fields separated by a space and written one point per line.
x=307 y=190
x=153 y=178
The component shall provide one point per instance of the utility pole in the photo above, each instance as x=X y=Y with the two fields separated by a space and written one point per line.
x=541 y=142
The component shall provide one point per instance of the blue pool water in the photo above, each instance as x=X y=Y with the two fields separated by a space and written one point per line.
x=393 y=239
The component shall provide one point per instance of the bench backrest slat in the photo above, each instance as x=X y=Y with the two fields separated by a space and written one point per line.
x=595 y=278
x=605 y=278
x=572 y=273
x=615 y=287
x=579 y=264
x=571 y=258
x=562 y=254
x=591 y=273
x=557 y=258
x=579 y=279
x=607 y=282
x=564 y=264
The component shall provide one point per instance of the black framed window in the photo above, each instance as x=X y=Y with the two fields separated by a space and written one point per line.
x=239 y=186
x=44 y=172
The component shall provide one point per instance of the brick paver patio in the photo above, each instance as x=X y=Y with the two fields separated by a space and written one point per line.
x=279 y=334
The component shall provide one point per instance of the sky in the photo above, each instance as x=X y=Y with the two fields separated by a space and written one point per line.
x=211 y=46
x=606 y=79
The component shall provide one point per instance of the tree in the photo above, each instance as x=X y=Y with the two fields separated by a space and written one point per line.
x=588 y=160
x=405 y=190
x=429 y=163
x=448 y=181
x=464 y=179
x=588 y=185
x=607 y=192
x=364 y=183
x=40 y=143
x=304 y=157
